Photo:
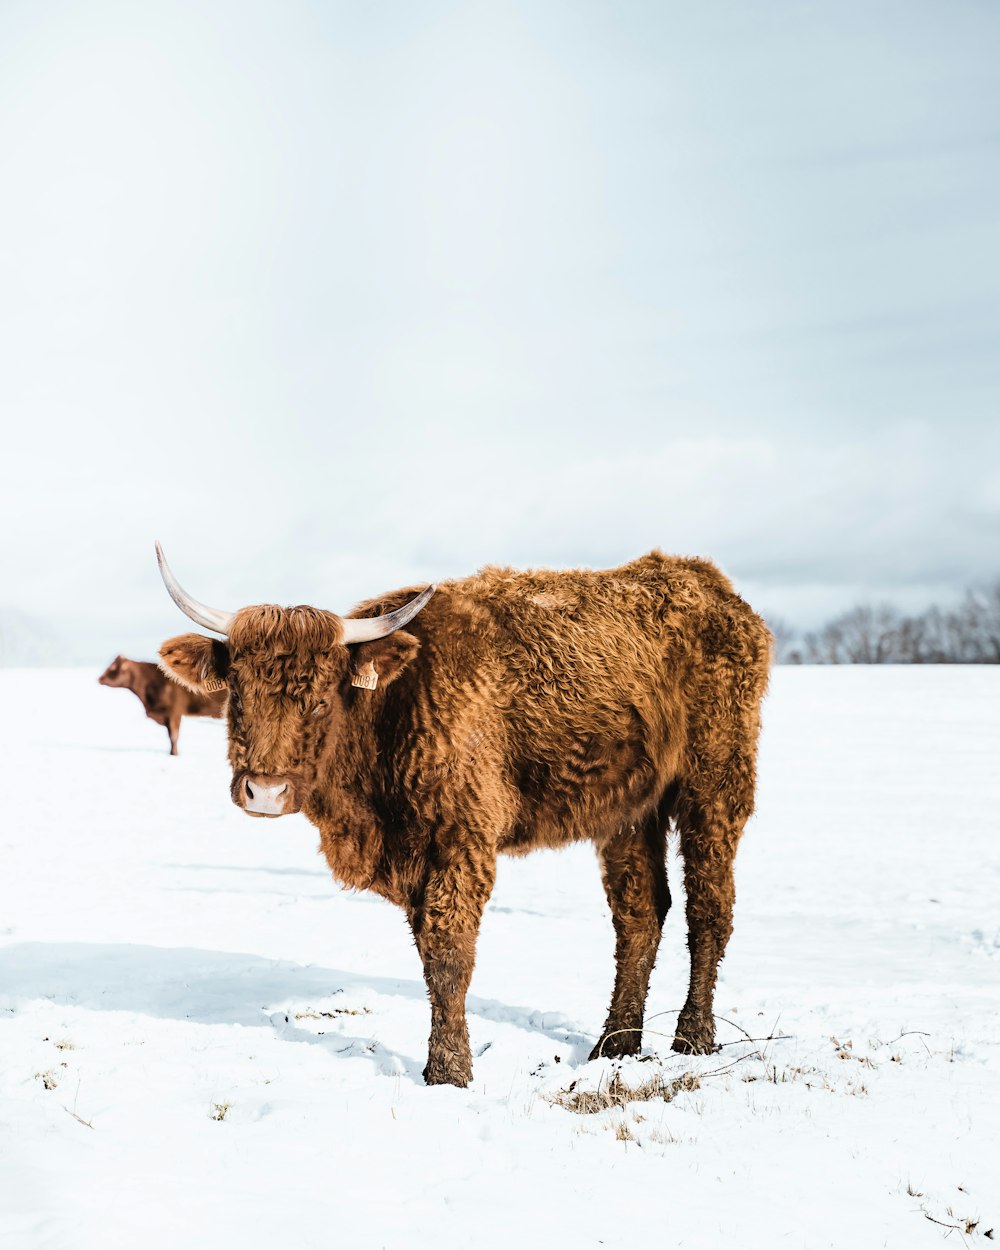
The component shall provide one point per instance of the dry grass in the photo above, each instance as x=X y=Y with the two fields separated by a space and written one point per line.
x=220 y=1110
x=964 y=1225
x=845 y=1050
x=663 y=1137
x=659 y=1087
x=616 y=1093
x=332 y=1015
x=754 y=1064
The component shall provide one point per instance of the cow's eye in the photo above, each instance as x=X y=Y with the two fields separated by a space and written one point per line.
x=319 y=709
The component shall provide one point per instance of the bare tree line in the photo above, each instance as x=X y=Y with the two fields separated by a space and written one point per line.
x=966 y=634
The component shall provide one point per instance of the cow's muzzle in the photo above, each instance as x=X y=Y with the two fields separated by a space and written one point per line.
x=265 y=796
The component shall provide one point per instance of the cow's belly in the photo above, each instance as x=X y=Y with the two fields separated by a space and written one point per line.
x=590 y=793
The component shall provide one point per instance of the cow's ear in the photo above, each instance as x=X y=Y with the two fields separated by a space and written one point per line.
x=195 y=661
x=385 y=658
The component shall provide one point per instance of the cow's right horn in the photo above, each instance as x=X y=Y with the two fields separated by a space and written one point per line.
x=368 y=628
x=210 y=618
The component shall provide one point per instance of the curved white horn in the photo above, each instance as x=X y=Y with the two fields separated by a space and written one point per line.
x=210 y=618
x=365 y=629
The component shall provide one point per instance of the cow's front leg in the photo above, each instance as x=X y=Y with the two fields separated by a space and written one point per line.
x=445 y=922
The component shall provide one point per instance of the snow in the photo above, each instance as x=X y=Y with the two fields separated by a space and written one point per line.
x=205 y=1042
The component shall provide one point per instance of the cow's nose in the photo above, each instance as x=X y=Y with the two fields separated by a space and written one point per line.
x=265 y=798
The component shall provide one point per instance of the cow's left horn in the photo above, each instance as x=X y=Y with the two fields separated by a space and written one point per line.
x=366 y=629
x=210 y=618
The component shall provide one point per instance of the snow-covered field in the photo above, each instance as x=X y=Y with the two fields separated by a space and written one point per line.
x=205 y=1043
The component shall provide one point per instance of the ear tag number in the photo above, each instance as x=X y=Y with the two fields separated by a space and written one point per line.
x=213 y=685
x=366 y=677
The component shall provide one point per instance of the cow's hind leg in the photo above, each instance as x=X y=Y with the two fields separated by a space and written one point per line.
x=445 y=923
x=633 y=867
x=709 y=835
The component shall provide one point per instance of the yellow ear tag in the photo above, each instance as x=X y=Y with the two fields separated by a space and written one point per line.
x=366 y=677
x=213 y=685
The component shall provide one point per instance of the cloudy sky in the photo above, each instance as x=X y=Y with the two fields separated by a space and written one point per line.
x=333 y=297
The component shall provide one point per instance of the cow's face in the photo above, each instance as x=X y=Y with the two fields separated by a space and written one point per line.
x=117 y=673
x=294 y=709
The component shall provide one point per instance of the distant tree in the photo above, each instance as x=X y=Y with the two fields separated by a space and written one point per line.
x=966 y=634
x=823 y=646
x=977 y=625
x=870 y=635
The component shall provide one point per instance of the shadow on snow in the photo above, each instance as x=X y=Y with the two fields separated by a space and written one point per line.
x=225 y=987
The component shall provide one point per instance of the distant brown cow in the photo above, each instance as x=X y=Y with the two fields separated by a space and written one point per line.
x=520 y=710
x=164 y=699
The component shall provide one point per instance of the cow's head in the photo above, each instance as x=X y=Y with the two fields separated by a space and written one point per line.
x=291 y=675
x=118 y=672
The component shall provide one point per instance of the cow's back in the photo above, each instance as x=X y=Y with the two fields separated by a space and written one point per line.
x=582 y=645
x=163 y=697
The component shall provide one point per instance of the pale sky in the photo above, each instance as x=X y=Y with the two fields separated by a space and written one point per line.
x=336 y=297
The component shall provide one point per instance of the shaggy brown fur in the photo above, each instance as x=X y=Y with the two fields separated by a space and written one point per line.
x=165 y=701
x=518 y=710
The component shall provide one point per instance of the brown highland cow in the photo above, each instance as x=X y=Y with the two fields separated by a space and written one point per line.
x=165 y=700
x=517 y=710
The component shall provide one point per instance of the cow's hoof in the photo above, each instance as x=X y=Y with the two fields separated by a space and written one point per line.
x=440 y=1073
x=693 y=1038
x=617 y=1043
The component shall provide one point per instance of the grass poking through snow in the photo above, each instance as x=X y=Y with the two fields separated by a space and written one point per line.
x=616 y=1093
